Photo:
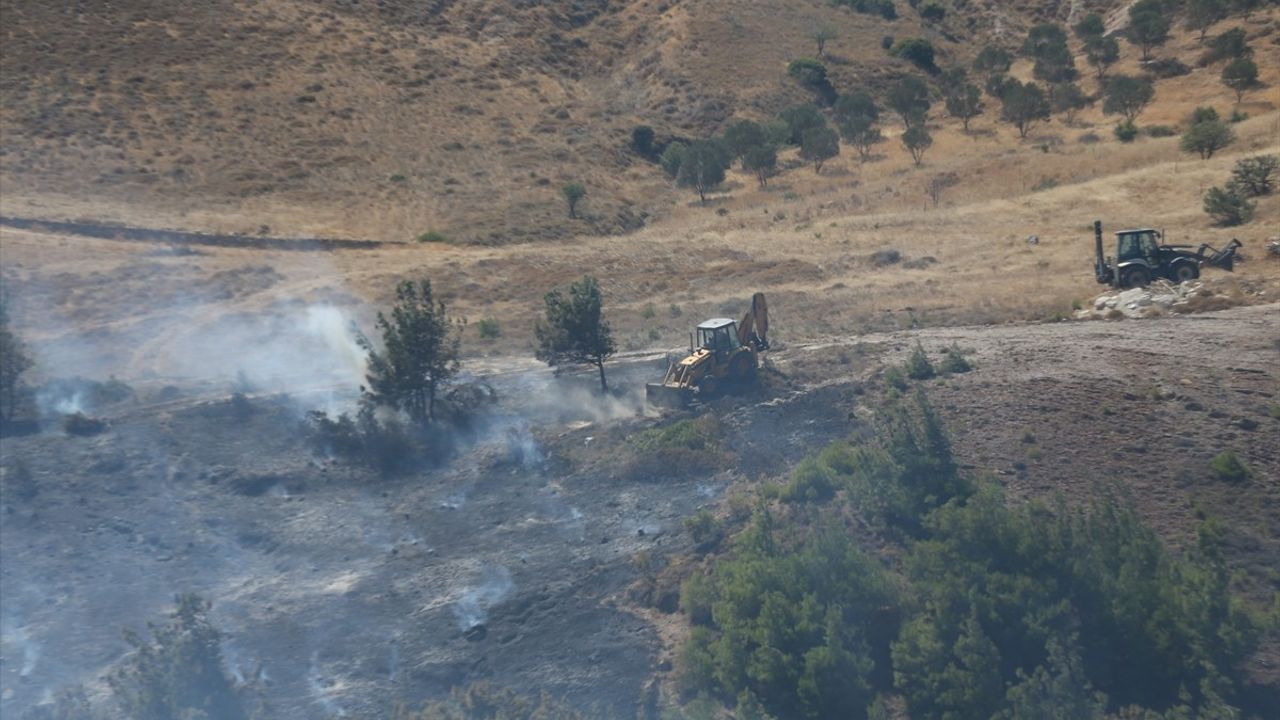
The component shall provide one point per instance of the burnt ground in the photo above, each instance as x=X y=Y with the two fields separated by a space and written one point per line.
x=511 y=563
x=357 y=592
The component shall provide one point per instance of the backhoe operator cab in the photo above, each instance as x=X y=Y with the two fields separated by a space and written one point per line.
x=719 y=335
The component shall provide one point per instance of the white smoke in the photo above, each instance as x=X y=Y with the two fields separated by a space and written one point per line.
x=473 y=605
x=13 y=633
x=321 y=690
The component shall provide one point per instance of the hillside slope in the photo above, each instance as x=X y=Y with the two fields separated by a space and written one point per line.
x=387 y=119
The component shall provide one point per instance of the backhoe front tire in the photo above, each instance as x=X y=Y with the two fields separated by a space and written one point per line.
x=1185 y=272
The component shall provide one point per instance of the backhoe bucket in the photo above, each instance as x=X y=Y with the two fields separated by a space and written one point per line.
x=663 y=395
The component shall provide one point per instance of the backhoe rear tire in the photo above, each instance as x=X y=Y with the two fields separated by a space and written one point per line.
x=1135 y=277
x=741 y=369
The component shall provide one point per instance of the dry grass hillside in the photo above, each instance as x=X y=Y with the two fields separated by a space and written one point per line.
x=387 y=119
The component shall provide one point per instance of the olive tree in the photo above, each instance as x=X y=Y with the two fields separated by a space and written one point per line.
x=916 y=140
x=819 y=145
x=703 y=166
x=1241 y=75
x=419 y=352
x=761 y=160
x=1127 y=96
x=1024 y=106
x=573 y=328
x=909 y=97
x=1148 y=25
x=861 y=132
x=1207 y=134
x=965 y=103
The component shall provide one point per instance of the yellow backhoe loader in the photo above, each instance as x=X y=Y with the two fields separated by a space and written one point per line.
x=724 y=353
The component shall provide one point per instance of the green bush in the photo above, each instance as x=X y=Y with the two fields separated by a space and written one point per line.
x=809 y=71
x=488 y=328
x=642 y=137
x=894 y=378
x=432 y=236
x=177 y=672
x=691 y=434
x=918 y=366
x=1228 y=467
x=1255 y=176
x=1126 y=131
x=1159 y=131
x=705 y=529
x=932 y=12
x=1003 y=611
x=955 y=362
x=918 y=51
x=1227 y=206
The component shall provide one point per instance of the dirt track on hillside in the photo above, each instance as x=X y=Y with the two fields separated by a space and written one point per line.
x=511 y=563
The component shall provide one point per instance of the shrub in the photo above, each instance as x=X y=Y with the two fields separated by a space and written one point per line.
x=642 y=137
x=691 y=434
x=918 y=51
x=918 y=366
x=432 y=236
x=1159 y=131
x=954 y=362
x=886 y=42
x=932 y=12
x=573 y=193
x=1227 y=206
x=178 y=671
x=1126 y=131
x=1254 y=176
x=1208 y=135
x=894 y=378
x=808 y=71
x=1167 y=68
x=1228 y=467
x=488 y=328
x=704 y=528
x=1228 y=45
x=82 y=425
x=813 y=74
x=1089 y=138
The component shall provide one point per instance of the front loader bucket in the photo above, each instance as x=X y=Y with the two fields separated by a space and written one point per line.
x=663 y=395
